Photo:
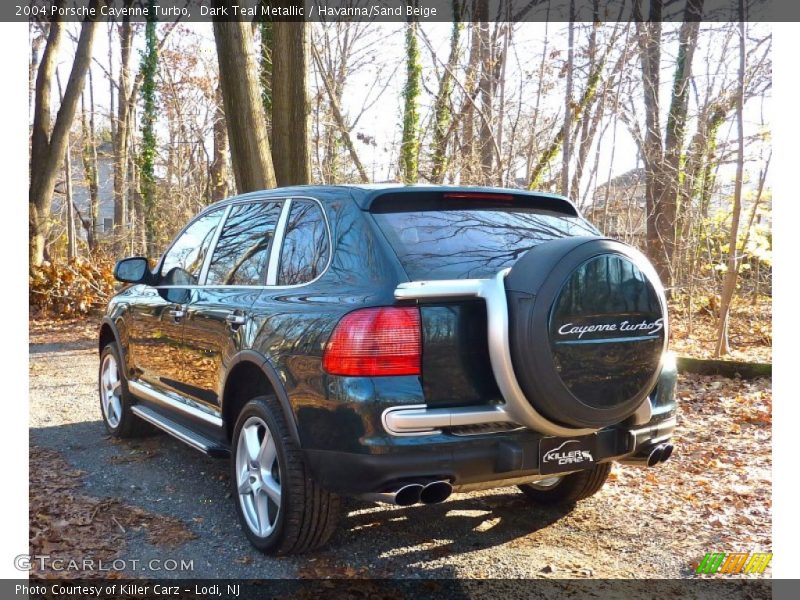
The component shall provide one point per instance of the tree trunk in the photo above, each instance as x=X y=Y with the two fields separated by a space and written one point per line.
x=72 y=246
x=468 y=171
x=47 y=152
x=265 y=71
x=40 y=140
x=147 y=151
x=566 y=135
x=219 y=177
x=244 y=112
x=729 y=284
x=663 y=166
x=409 y=146
x=36 y=45
x=442 y=115
x=675 y=133
x=486 y=90
x=121 y=137
x=291 y=153
x=89 y=158
x=69 y=215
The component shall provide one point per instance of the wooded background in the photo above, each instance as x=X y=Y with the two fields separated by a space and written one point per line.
x=659 y=132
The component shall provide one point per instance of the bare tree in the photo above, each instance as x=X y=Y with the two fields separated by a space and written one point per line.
x=48 y=147
x=662 y=152
x=729 y=285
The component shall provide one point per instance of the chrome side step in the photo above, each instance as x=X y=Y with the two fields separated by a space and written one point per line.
x=180 y=432
x=147 y=393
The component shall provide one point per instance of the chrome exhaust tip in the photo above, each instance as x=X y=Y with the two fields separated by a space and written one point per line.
x=648 y=457
x=655 y=456
x=405 y=495
x=408 y=494
x=435 y=492
x=667 y=452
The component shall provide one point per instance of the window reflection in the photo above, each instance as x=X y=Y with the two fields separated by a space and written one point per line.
x=241 y=253
x=305 y=245
x=471 y=243
x=183 y=261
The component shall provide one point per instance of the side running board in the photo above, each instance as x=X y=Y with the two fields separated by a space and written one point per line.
x=184 y=434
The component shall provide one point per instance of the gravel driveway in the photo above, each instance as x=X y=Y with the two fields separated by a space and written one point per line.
x=643 y=524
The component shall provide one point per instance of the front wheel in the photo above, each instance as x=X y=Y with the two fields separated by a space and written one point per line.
x=568 y=489
x=115 y=399
x=280 y=507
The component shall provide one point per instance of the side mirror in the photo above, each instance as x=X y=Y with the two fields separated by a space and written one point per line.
x=133 y=270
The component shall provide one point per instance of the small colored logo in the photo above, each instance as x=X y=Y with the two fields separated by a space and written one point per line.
x=733 y=563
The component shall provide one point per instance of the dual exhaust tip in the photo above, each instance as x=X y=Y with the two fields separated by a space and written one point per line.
x=434 y=492
x=412 y=493
x=650 y=457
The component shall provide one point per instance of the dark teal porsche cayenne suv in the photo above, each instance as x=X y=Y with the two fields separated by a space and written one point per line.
x=395 y=343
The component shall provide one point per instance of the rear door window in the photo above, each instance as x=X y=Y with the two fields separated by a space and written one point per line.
x=240 y=256
x=305 y=245
x=458 y=244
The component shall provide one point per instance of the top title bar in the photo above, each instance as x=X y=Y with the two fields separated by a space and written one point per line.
x=422 y=11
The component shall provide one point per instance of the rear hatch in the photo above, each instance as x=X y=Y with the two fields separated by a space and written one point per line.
x=458 y=234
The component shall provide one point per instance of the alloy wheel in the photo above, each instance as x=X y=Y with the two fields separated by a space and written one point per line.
x=258 y=479
x=111 y=391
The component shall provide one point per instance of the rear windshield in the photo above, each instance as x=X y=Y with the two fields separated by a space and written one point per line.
x=459 y=244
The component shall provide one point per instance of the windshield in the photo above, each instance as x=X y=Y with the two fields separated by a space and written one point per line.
x=459 y=244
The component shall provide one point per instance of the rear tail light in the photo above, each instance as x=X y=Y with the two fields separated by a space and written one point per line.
x=372 y=342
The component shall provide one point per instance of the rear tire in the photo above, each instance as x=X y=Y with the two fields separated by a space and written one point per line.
x=282 y=510
x=115 y=398
x=570 y=488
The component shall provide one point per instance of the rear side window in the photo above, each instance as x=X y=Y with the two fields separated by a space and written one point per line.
x=184 y=260
x=305 y=245
x=241 y=252
x=458 y=244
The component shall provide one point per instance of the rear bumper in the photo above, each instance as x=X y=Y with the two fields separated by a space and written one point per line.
x=350 y=451
x=470 y=463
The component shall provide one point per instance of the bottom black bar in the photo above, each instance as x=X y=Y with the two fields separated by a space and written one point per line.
x=394 y=589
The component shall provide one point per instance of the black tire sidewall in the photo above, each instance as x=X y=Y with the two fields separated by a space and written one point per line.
x=572 y=488
x=259 y=407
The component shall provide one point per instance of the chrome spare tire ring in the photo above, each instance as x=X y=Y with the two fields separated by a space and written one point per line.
x=258 y=477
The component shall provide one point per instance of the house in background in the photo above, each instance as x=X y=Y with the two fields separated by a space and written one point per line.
x=619 y=208
x=80 y=190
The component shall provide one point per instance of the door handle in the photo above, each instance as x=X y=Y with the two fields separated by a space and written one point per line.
x=235 y=319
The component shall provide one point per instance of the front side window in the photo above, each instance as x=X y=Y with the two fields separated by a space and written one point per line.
x=184 y=260
x=305 y=244
x=240 y=256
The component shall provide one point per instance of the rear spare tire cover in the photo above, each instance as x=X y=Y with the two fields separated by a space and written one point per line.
x=587 y=329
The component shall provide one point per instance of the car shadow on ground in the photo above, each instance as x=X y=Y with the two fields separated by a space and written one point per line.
x=61 y=347
x=164 y=476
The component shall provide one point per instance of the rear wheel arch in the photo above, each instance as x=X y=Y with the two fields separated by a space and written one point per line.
x=251 y=375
